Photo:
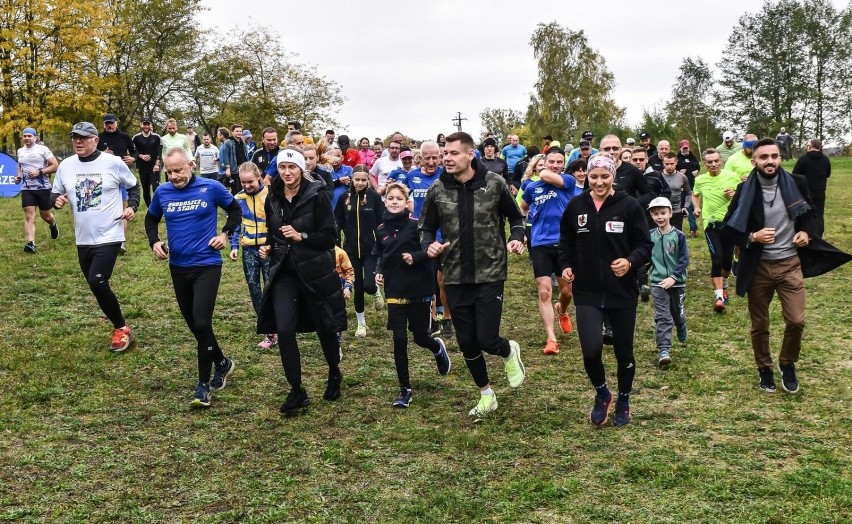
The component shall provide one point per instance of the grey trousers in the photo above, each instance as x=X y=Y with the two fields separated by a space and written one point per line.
x=668 y=312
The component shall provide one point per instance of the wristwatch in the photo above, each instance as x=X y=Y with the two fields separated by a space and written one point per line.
x=304 y=236
x=750 y=238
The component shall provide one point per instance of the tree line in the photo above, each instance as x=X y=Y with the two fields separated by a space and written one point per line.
x=64 y=62
x=786 y=65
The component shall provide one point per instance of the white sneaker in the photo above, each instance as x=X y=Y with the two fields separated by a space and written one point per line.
x=361 y=332
x=486 y=405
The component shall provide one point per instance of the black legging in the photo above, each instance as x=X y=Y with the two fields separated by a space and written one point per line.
x=721 y=253
x=196 y=289
x=97 y=263
x=289 y=295
x=365 y=278
x=417 y=317
x=623 y=321
x=150 y=182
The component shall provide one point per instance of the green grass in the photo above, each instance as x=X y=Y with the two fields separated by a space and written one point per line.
x=89 y=436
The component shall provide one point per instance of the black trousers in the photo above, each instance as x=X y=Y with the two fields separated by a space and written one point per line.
x=416 y=317
x=97 y=263
x=365 y=278
x=150 y=182
x=289 y=295
x=196 y=289
x=623 y=322
x=477 y=310
x=818 y=199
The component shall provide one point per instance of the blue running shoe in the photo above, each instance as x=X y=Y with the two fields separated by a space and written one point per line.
x=442 y=359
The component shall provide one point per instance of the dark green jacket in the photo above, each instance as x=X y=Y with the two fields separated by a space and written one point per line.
x=471 y=217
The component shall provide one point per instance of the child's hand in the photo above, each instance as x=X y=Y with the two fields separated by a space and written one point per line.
x=667 y=283
x=408 y=258
x=346 y=293
x=380 y=279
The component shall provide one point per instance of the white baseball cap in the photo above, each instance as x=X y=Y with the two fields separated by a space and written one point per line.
x=728 y=135
x=660 y=202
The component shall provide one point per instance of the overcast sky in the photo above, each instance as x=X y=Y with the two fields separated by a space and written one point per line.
x=413 y=68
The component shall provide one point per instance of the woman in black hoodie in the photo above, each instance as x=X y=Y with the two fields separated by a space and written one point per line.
x=357 y=214
x=603 y=239
x=407 y=273
x=303 y=291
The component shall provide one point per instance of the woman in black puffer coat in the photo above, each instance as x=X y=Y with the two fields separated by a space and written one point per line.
x=303 y=291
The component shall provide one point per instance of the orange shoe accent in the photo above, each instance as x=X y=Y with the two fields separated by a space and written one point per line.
x=121 y=339
x=564 y=320
x=551 y=348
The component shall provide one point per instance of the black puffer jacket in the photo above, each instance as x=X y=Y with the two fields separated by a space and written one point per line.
x=312 y=259
x=395 y=236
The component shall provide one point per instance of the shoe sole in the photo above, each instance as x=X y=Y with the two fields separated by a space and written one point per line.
x=297 y=409
x=621 y=425
x=719 y=309
x=521 y=365
x=479 y=417
x=766 y=389
x=664 y=361
x=130 y=341
x=783 y=385
x=402 y=405
x=225 y=378
x=606 y=418
x=199 y=404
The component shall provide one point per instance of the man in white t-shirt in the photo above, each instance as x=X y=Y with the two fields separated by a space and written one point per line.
x=35 y=164
x=90 y=182
x=384 y=165
x=207 y=158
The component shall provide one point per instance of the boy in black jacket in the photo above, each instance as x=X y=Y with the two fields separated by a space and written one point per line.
x=409 y=287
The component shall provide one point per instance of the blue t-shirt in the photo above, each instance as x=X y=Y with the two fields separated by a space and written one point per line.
x=398 y=175
x=575 y=155
x=513 y=154
x=418 y=184
x=547 y=204
x=191 y=219
x=339 y=191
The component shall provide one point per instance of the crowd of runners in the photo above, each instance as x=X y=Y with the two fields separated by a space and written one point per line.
x=425 y=229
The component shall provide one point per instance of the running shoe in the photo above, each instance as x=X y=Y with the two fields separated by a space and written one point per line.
x=515 y=371
x=296 y=400
x=201 y=397
x=435 y=329
x=361 y=331
x=788 y=378
x=564 y=319
x=725 y=295
x=622 y=414
x=332 y=386
x=486 y=405
x=719 y=305
x=121 y=339
x=551 y=348
x=268 y=341
x=682 y=332
x=221 y=374
x=403 y=400
x=123 y=248
x=664 y=358
x=693 y=234
x=600 y=411
x=442 y=359
x=767 y=380
x=29 y=247
x=54 y=230
x=447 y=328
x=645 y=293
x=378 y=299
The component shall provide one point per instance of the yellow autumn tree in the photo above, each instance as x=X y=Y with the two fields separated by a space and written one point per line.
x=47 y=55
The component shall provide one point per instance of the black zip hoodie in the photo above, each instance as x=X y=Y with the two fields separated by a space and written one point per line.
x=590 y=240
x=357 y=216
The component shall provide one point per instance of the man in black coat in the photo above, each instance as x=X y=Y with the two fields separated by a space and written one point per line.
x=770 y=218
x=816 y=167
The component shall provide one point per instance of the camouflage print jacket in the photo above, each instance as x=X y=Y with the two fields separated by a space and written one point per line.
x=472 y=218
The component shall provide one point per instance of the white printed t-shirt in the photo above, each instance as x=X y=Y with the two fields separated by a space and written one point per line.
x=92 y=189
x=382 y=168
x=36 y=158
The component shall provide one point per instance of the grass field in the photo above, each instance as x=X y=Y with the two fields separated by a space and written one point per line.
x=91 y=436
